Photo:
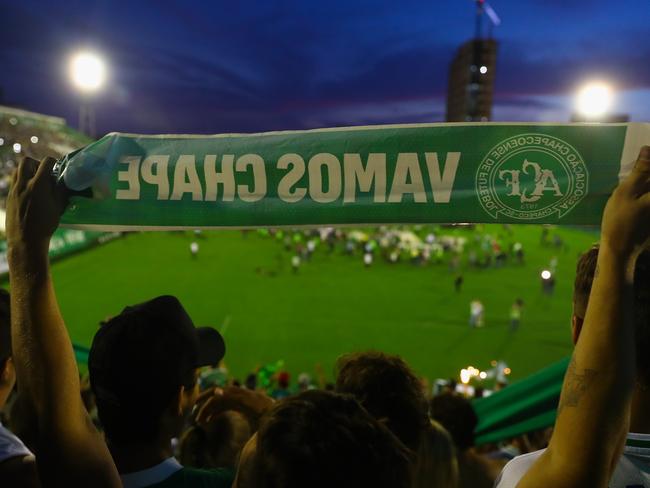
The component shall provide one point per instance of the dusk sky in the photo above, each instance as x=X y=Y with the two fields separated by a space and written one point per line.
x=244 y=66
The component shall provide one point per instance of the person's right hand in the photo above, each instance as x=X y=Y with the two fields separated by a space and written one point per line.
x=626 y=220
x=34 y=206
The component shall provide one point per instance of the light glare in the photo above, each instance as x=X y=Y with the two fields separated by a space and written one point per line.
x=17 y=147
x=34 y=139
x=483 y=70
x=594 y=99
x=464 y=376
x=546 y=274
x=87 y=71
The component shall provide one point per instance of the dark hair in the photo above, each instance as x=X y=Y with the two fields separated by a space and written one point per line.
x=456 y=414
x=585 y=271
x=216 y=446
x=642 y=316
x=323 y=440
x=386 y=386
x=5 y=328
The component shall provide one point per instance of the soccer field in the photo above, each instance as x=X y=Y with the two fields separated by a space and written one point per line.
x=244 y=286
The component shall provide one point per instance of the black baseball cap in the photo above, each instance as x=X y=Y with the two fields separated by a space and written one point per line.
x=5 y=325
x=143 y=355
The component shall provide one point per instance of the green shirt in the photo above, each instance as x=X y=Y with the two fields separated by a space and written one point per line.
x=198 y=478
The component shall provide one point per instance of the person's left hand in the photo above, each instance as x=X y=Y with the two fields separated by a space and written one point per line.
x=34 y=206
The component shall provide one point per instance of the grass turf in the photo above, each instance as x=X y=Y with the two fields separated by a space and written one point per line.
x=333 y=305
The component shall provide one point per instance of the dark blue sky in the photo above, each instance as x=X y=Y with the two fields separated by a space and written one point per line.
x=227 y=66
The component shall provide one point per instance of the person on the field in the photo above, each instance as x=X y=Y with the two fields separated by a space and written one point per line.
x=633 y=468
x=515 y=314
x=194 y=249
x=311 y=247
x=458 y=283
x=295 y=263
x=476 y=314
x=17 y=464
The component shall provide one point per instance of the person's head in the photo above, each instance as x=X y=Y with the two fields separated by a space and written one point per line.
x=388 y=389
x=251 y=381
x=143 y=367
x=283 y=379
x=585 y=271
x=322 y=439
x=7 y=371
x=456 y=414
x=217 y=445
x=436 y=463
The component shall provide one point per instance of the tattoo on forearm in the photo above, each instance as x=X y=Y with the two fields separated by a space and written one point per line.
x=576 y=383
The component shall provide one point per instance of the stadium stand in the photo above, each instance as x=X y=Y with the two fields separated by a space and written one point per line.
x=24 y=133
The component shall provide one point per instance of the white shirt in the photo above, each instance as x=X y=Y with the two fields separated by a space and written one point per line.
x=632 y=470
x=151 y=476
x=11 y=446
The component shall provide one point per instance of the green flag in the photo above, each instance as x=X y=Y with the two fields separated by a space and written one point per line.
x=489 y=172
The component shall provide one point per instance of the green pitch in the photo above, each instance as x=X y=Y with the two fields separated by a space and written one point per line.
x=244 y=286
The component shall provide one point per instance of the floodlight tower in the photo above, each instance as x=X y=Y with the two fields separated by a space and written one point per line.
x=88 y=74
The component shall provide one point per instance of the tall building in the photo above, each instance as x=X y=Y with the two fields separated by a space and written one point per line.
x=471 y=81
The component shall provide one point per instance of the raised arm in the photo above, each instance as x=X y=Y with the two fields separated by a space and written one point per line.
x=70 y=451
x=594 y=405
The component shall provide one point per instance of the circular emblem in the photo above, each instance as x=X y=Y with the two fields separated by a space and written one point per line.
x=531 y=177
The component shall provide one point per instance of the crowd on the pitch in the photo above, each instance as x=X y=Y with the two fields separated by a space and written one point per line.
x=418 y=245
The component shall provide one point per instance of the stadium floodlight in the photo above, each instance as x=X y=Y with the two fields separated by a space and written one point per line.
x=594 y=99
x=87 y=71
x=546 y=274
